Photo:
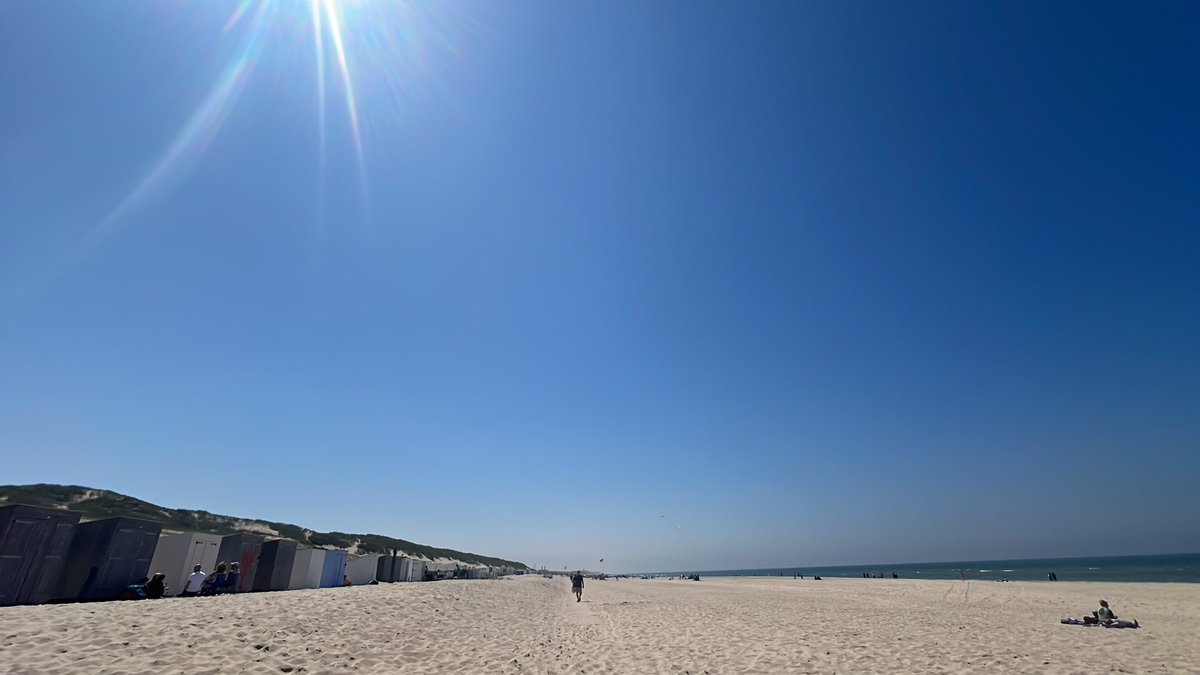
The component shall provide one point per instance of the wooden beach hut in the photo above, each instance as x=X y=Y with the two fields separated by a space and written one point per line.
x=106 y=556
x=306 y=569
x=33 y=547
x=244 y=549
x=389 y=568
x=361 y=570
x=334 y=569
x=177 y=554
x=275 y=565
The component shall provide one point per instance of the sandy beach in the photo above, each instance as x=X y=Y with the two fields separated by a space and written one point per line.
x=534 y=625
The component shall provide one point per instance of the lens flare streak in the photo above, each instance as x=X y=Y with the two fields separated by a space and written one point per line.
x=390 y=41
x=318 y=35
x=196 y=133
x=339 y=49
x=237 y=15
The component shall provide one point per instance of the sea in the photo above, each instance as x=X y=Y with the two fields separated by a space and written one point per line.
x=1177 y=567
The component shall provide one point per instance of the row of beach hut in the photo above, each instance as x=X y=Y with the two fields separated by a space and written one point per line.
x=267 y=565
x=47 y=555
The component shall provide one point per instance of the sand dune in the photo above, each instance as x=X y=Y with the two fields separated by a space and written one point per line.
x=534 y=625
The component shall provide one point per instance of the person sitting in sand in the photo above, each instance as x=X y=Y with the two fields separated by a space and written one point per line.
x=1108 y=618
x=157 y=586
x=577 y=585
x=195 y=582
x=1103 y=617
x=232 y=578
x=214 y=582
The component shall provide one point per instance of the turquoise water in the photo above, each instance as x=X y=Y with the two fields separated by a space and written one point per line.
x=1180 y=567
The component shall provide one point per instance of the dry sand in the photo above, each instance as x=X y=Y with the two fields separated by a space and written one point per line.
x=534 y=625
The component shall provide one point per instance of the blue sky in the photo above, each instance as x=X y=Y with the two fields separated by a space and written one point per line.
x=720 y=285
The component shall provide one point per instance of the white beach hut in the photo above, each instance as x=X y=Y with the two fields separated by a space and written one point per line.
x=416 y=570
x=361 y=570
x=306 y=570
x=177 y=554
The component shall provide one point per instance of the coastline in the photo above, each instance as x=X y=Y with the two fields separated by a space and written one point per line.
x=1157 y=568
x=531 y=624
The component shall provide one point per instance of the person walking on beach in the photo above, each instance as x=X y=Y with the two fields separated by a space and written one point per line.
x=577 y=585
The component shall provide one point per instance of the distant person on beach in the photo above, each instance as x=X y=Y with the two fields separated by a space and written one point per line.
x=231 y=579
x=1108 y=618
x=157 y=586
x=577 y=585
x=194 y=583
x=1104 y=617
x=213 y=583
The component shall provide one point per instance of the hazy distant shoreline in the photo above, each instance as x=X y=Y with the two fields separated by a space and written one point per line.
x=1160 y=568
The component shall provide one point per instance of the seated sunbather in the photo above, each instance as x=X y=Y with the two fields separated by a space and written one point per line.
x=214 y=582
x=231 y=579
x=1103 y=617
x=157 y=586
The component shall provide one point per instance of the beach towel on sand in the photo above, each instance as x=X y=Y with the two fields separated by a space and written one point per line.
x=1118 y=624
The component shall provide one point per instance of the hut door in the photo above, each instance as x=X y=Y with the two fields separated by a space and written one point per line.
x=18 y=553
x=51 y=557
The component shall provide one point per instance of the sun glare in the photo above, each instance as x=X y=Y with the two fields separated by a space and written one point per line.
x=383 y=42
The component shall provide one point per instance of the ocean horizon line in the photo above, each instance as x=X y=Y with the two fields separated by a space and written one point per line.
x=1161 y=567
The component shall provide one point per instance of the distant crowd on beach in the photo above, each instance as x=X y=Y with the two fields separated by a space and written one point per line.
x=224 y=579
